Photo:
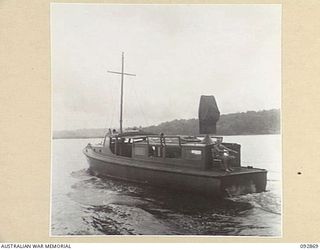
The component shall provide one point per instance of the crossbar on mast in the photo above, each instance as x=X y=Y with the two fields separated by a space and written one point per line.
x=127 y=74
x=122 y=73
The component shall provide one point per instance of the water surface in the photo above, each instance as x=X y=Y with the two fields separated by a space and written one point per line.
x=86 y=205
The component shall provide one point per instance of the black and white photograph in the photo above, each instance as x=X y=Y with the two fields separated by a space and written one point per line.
x=166 y=120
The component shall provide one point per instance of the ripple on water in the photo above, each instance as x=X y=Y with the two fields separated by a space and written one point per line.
x=114 y=207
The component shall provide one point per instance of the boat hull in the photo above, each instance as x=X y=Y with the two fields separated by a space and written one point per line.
x=223 y=184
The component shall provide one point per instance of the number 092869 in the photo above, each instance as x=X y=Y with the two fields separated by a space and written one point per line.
x=309 y=246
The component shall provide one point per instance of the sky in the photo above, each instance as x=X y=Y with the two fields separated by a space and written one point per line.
x=178 y=53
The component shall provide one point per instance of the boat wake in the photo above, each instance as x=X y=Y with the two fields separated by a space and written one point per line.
x=112 y=207
x=265 y=201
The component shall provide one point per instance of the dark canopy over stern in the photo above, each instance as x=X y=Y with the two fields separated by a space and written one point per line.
x=209 y=115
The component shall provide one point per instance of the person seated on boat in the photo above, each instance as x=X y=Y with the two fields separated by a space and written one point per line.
x=162 y=142
x=223 y=153
x=114 y=131
x=161 y=139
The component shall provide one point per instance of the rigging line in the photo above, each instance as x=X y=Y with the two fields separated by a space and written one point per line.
x=127 y=115
x=140 y=107
x=124 y=105
x=126 y=100
x=111 y=107
x=107 y=118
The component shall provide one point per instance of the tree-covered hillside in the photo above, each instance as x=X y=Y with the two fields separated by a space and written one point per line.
x=248 y=123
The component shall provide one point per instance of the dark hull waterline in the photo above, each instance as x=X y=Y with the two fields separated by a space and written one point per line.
x=208 y=183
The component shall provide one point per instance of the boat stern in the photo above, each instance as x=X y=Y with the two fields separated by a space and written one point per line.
x=240 y=184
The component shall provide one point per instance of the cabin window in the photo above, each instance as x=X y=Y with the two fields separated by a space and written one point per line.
x=193 y=154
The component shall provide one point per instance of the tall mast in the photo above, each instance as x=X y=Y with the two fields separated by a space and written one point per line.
x=122 y=73
x=121 y=98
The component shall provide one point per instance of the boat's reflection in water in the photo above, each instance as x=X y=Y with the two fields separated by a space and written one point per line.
x=113 y=207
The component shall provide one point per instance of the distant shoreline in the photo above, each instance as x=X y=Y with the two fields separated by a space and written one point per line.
x=101 y=137
x=77 y=137
x=263 y=122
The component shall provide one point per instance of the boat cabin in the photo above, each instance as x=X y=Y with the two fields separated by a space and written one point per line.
x=177 y=150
